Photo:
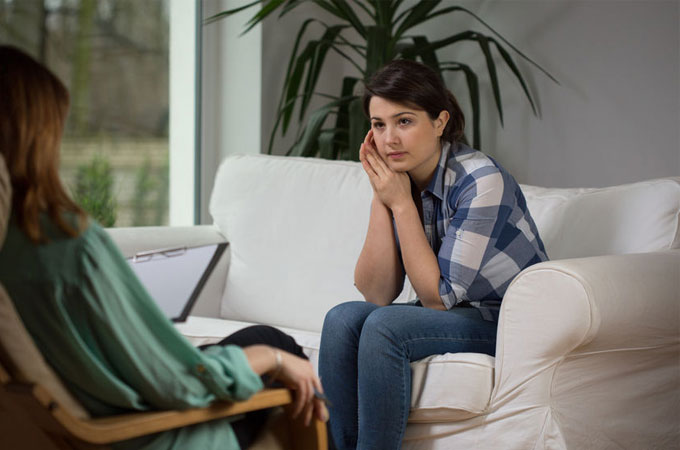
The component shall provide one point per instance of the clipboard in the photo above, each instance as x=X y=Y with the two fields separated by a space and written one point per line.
x=175 y=277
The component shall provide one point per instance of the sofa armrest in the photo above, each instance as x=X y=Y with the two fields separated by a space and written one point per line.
x=590 y=338
x=607 y=302
x=133 y=240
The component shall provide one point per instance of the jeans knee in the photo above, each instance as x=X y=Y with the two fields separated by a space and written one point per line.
x=346 y=317
x=380 y=326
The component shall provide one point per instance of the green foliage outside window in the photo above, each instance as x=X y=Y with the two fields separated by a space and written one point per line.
x=94 y=190
x=113 y=56
x=150 y=198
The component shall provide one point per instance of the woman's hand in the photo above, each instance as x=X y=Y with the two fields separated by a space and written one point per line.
x=298 y=375
x=392 y=188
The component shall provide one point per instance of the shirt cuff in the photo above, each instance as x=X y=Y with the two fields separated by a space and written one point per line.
x=244 y=381
x=447 y=294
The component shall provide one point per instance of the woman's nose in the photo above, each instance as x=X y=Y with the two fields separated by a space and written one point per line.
x=391 y=136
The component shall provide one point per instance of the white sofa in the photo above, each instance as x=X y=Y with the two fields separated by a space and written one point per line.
x=588 y=352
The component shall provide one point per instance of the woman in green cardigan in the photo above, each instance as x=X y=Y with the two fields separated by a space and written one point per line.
x=89 y=315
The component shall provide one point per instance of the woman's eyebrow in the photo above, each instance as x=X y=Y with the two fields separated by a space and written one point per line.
x=395 y=115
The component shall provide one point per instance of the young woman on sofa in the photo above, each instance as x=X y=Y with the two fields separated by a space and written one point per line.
x=89 y=315
x=449 y=217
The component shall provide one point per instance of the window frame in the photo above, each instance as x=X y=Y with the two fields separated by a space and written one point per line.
x=185 y=70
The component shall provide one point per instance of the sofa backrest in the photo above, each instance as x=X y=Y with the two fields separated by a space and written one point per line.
x=296 y=227
x=630 y=218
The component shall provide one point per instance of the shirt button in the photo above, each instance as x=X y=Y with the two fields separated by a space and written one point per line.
x=200 y=368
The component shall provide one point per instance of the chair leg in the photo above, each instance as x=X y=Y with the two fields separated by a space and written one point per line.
x=312 y=437
x=275 y=435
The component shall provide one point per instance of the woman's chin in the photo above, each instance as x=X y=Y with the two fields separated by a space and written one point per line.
x=398 y=166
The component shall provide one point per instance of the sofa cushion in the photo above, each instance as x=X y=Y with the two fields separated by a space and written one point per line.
x=434 y=397
x=296 y=227
x=631 y=218
x=451 y=387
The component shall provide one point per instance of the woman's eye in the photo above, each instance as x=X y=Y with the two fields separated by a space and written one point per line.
x=404 y=121
x=377 y=125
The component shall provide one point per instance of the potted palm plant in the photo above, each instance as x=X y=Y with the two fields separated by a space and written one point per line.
x=384 y=30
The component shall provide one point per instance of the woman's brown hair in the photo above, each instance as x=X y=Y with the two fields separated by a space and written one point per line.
x=415 y=84
x=33 y=108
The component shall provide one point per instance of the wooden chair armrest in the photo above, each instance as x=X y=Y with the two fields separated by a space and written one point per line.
x=117 y=428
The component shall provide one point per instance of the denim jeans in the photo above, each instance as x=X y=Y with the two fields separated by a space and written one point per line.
x=364 y=363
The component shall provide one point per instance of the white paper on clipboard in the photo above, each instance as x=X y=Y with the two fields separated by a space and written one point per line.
x=174 y=277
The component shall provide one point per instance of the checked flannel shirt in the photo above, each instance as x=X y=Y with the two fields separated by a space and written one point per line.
x=477 y=222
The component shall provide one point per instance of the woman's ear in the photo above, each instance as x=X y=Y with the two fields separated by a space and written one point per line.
x=441 y=121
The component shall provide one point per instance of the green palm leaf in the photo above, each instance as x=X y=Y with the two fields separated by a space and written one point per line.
x=318 y=55
x=306 y=144
x=491 y=67
x=358 y=127
x=326 y=140
x=415 y=16
x=500 y=36
x=472 y=82
x=379 y=49
x=343 y=117
x=349 y=15
x=515 y=70
x=291 y=83
x=429 y=57
x=225 y=14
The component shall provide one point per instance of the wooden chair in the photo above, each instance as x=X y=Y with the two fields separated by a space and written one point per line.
x=23 y=398
x=37 y=412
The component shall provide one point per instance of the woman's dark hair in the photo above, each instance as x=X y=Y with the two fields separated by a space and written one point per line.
x=33 y=108
x=414 y=84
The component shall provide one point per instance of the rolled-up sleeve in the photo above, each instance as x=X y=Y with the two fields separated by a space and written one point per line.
x=470 y=233
x=134 y=347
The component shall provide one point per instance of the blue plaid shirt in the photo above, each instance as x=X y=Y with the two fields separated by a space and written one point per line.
x=477 y=222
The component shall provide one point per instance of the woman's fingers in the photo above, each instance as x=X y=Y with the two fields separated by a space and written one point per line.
x=368 y=140
x=378 y=165
x=368 y=155
x=320 y=410
x=302 y=397
x=309 y=409
x=316 y=381
x=298 y=374
x=365 y=163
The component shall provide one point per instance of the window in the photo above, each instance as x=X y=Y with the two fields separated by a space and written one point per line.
x=114 y=57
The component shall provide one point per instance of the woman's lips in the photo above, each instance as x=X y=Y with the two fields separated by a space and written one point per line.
x=396 y=155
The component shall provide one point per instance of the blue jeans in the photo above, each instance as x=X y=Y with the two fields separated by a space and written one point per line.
x=364 y=364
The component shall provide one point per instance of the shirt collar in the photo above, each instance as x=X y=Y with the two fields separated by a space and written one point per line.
x=436 y=186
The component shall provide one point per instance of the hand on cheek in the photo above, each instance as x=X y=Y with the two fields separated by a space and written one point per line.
x=392 y=188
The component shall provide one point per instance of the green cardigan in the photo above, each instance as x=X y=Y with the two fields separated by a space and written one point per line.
x=114 y=349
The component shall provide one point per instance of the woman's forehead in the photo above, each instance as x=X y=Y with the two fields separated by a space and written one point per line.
x=384 y=108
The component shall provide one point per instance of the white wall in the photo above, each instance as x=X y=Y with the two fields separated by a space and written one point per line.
x=614 y=119
x=231 y=99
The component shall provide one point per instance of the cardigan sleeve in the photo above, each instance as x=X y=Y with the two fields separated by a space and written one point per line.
x=142 y=347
